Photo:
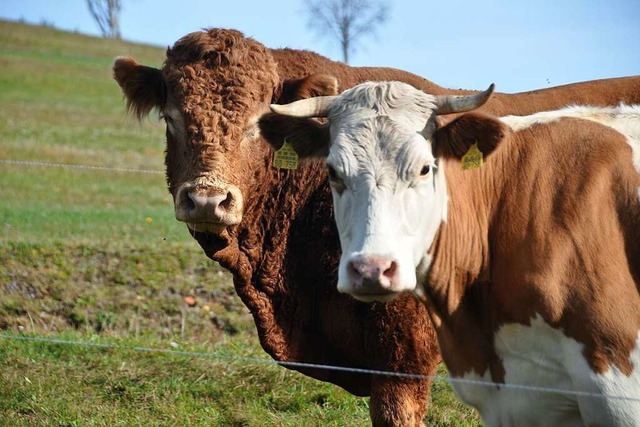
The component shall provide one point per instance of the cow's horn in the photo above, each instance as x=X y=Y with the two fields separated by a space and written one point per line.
x=448 y=104
x=310 y=107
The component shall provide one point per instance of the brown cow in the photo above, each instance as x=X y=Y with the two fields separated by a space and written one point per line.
x=528 y=260
x=272 y=228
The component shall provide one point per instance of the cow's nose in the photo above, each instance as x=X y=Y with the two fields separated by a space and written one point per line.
x=373 y=273
x=213 y=206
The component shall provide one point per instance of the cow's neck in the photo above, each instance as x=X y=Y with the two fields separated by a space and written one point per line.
x=275 y=229
x=272 y=218
x=458 y=280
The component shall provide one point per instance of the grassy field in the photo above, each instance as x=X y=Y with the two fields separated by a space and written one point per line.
x=95 y=256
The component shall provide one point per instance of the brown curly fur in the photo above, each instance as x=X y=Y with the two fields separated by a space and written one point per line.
x=283 y=255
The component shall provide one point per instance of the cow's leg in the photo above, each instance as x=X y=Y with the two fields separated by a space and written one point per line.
x=398 y=402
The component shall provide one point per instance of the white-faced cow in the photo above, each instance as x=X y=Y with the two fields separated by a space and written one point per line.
x=273 y=228
x=521 y=235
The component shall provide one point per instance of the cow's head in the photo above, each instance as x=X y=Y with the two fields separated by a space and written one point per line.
x=210 y=91
x=385 y=157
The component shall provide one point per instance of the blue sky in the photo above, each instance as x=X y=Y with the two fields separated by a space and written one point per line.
x=518 y=44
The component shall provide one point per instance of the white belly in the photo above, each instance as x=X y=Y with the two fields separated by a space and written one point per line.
x=542 y=357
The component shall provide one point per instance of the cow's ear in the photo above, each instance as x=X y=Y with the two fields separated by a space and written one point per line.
x=308 y=87
x=308 y=137
x=454 y=139
x=143 y=86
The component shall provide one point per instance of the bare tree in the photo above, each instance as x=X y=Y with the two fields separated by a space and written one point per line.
x=346 y=20
x=107 y=15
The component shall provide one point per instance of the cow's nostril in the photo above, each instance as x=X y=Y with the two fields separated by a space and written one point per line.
x=225 y=204
x=355 y=269
x=390 y=272
x=188 y=204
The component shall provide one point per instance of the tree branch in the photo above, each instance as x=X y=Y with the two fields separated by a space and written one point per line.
x=106 y=13
x=347 y=21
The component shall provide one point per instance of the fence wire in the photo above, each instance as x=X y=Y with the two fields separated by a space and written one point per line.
x=293 y=364
x=71 y=166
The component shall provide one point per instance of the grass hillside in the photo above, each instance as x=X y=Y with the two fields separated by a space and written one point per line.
x=146 y=330
x=60 y=104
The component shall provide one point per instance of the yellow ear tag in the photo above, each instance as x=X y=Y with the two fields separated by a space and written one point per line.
x=286 y=157
x=473 y=159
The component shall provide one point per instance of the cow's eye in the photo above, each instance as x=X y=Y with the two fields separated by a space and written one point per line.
x=333 y=175
x=336 y=183
x=425 y=170
x=167 y=119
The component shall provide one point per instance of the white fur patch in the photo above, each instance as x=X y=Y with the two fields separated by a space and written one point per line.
x=623 y=118
x=541 y=356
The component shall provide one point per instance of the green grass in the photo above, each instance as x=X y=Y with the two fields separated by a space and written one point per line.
x=56 y=204
x=97 y=256
x=161 y=389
